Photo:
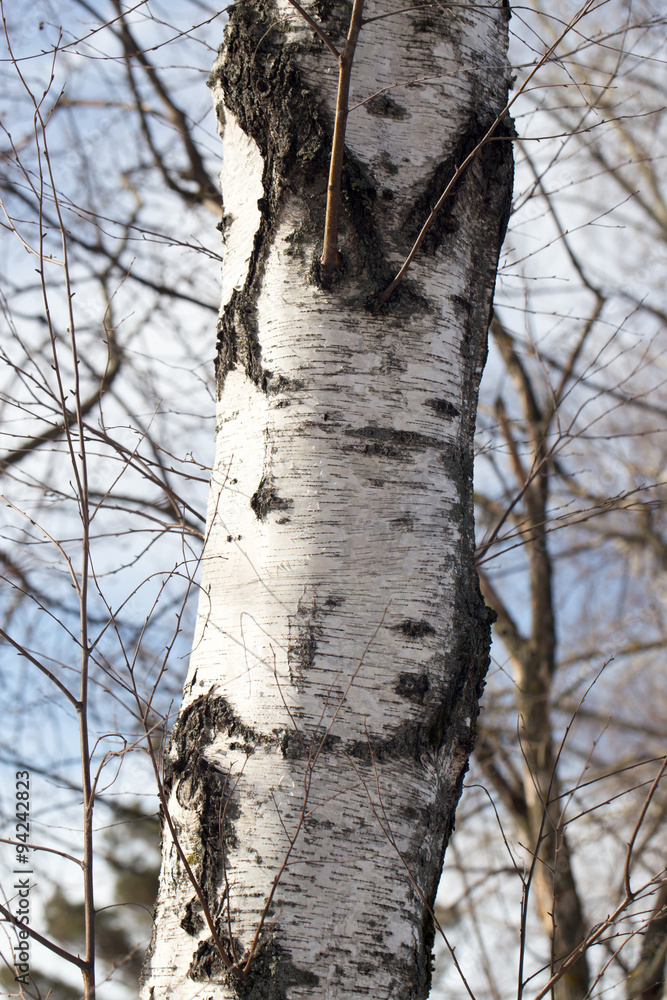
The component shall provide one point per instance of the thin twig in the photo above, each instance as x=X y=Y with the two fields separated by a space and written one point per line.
x=383 y=296
x=330 y=252
x=317 y=28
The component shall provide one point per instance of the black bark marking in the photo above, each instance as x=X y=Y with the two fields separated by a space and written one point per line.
x=391 y=443
x=403 y=743
x=265 y=499
x=388 y=164
x=449 y=693
x=305 y=628
x=414 y=687
x=206 y=963
x=494 y=158
x=302 y=648
x=359 y=195
x=463 y=305
x=192 y=922
x=405 y=522
x=445 y=222
x=292 y=743
x=443 y=407
x=263 y=89
x=272 y=975
x=383 y=106
x=275 y=385
x=202 y=788
x=413 y=629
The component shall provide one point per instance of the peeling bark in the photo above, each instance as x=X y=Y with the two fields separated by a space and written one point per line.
x=342 y=642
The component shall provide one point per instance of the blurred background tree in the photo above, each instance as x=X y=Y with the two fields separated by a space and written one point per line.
x=572 y=531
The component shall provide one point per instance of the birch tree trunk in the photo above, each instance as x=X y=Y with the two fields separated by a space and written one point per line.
x=330 y=706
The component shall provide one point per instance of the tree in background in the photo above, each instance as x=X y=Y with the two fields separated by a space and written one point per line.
x=571 y=463
x=140 y=276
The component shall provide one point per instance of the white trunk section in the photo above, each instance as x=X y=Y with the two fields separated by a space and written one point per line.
x=341 y=642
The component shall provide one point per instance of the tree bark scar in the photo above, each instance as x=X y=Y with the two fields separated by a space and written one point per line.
x=443 y=408
x=414 y=687
x=265 y=499
x=202 y=788
x=446 y=221
x=305 y=628
x=262 y=87
x=391 y=443
x=413 y=629
x=273 y=975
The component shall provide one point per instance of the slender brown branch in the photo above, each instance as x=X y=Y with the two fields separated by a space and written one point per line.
x=383 y=296
x=330 y=252
x=67 y=955
x=317 y=28
x=79 y=463
x=640 y=819
x=41 y=847
x=68 y=417
x=207 y=192
x=22 y=651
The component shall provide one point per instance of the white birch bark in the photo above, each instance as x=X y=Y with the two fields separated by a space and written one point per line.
x=341 y=643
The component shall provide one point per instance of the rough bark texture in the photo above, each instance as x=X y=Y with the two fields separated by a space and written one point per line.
x=342 y=640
